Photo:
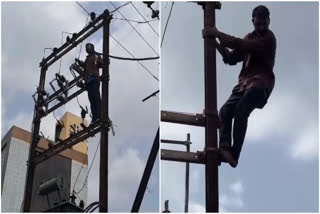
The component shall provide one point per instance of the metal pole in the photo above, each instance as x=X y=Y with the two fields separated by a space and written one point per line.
x=103 y=182
x=146 y=175
x=211 y=171
x=186 y=202
x=32 y=152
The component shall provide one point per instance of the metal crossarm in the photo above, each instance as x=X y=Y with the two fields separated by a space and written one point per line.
x=181 y=156
x=68 y=143
x=76 y=39
x=183 y=118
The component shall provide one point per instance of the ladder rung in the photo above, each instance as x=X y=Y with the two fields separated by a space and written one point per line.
x=180 y=156
x=175 y=142
x=183 y=118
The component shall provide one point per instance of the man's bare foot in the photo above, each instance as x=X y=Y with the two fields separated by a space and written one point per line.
x=227 y=156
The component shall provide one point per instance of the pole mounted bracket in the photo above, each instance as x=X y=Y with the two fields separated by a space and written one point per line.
x=217 y=4
x=213 y=115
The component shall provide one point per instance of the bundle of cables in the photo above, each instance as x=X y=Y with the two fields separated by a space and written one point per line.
x=92 y=207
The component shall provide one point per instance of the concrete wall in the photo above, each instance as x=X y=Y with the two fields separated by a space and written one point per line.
x=14 y=180
x=5 y=145
x=14 y=157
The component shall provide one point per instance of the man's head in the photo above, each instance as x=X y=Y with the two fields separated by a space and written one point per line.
x=90 y=48
x=261 y=18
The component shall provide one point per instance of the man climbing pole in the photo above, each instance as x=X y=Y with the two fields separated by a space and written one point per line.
x=90 y=73
x=256 y=80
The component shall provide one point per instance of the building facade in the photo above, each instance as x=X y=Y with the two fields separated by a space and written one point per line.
x=68 y=164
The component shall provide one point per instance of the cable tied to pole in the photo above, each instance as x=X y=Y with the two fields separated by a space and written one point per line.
x=131 y=59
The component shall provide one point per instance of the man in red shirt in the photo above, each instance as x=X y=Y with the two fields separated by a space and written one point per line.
x=256 y=80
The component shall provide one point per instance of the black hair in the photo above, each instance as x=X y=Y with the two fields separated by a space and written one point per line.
x=261 y=11
x=90 y=44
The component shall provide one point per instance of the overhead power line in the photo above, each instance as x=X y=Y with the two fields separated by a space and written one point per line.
x=165 y=29
x=83 y=8
x=131 y=59
x=124 y=48
x=144 y=18
x=84 y=184
x=134 y=59
x=116 y=9
x=135 y=30
x=135 y=21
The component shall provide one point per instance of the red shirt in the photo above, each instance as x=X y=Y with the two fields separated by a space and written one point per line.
x=258 y=55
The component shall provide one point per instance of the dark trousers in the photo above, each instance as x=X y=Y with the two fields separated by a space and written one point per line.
x=238 y=107
x=93 y=88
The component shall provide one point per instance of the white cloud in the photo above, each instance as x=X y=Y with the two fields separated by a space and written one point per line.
x=196 y=207
x=298 y=132
x=22 y=120
x=32 y=23
x=236 y=187
x=232 y=199
x=125 y=173
x=306 y=145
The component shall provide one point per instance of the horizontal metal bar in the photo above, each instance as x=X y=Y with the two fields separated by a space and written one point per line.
x=74 y=44
x=68 y=99
x=69 y=142
x=175 y=142
x=183 y=118
x=71 y=85
x=180 y=156
x=66 y=44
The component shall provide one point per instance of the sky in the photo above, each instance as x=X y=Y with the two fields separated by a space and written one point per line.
x=28 y=28
x=278 y=167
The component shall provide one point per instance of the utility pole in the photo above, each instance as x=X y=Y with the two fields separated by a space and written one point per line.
x=209 y=119
x=211 y=171
x=186 y=199
x=146 y=175
x=35 y=140
x=103 y=181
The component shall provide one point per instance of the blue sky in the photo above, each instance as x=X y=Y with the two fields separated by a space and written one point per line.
x=32 y=26
x=278 y=168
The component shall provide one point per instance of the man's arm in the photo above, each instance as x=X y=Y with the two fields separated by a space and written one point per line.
x=78 y=69
x=99 y=61
x=81 y=63
x=233 y=57
x=243 y=45
x=229 y=57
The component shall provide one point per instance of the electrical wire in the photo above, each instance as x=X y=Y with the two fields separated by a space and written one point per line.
x=131 y=59
x=90 y=206
x=134 y=59
x=61 y=57
x=145 y=68
x=135 y=21
x=53 y=112
x=116 y=9
x=124 y=18
x=75 y=183
x=84 y=184
x=136 y=30
x=165 y=29
x=144 y=18
x=83 y=8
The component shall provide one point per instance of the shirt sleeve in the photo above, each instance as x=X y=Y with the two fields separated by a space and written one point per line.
x=232 y=57
x=246 y=45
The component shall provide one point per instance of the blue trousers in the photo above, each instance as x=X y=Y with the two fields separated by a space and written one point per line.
x=238 y=108
x=93 y=88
